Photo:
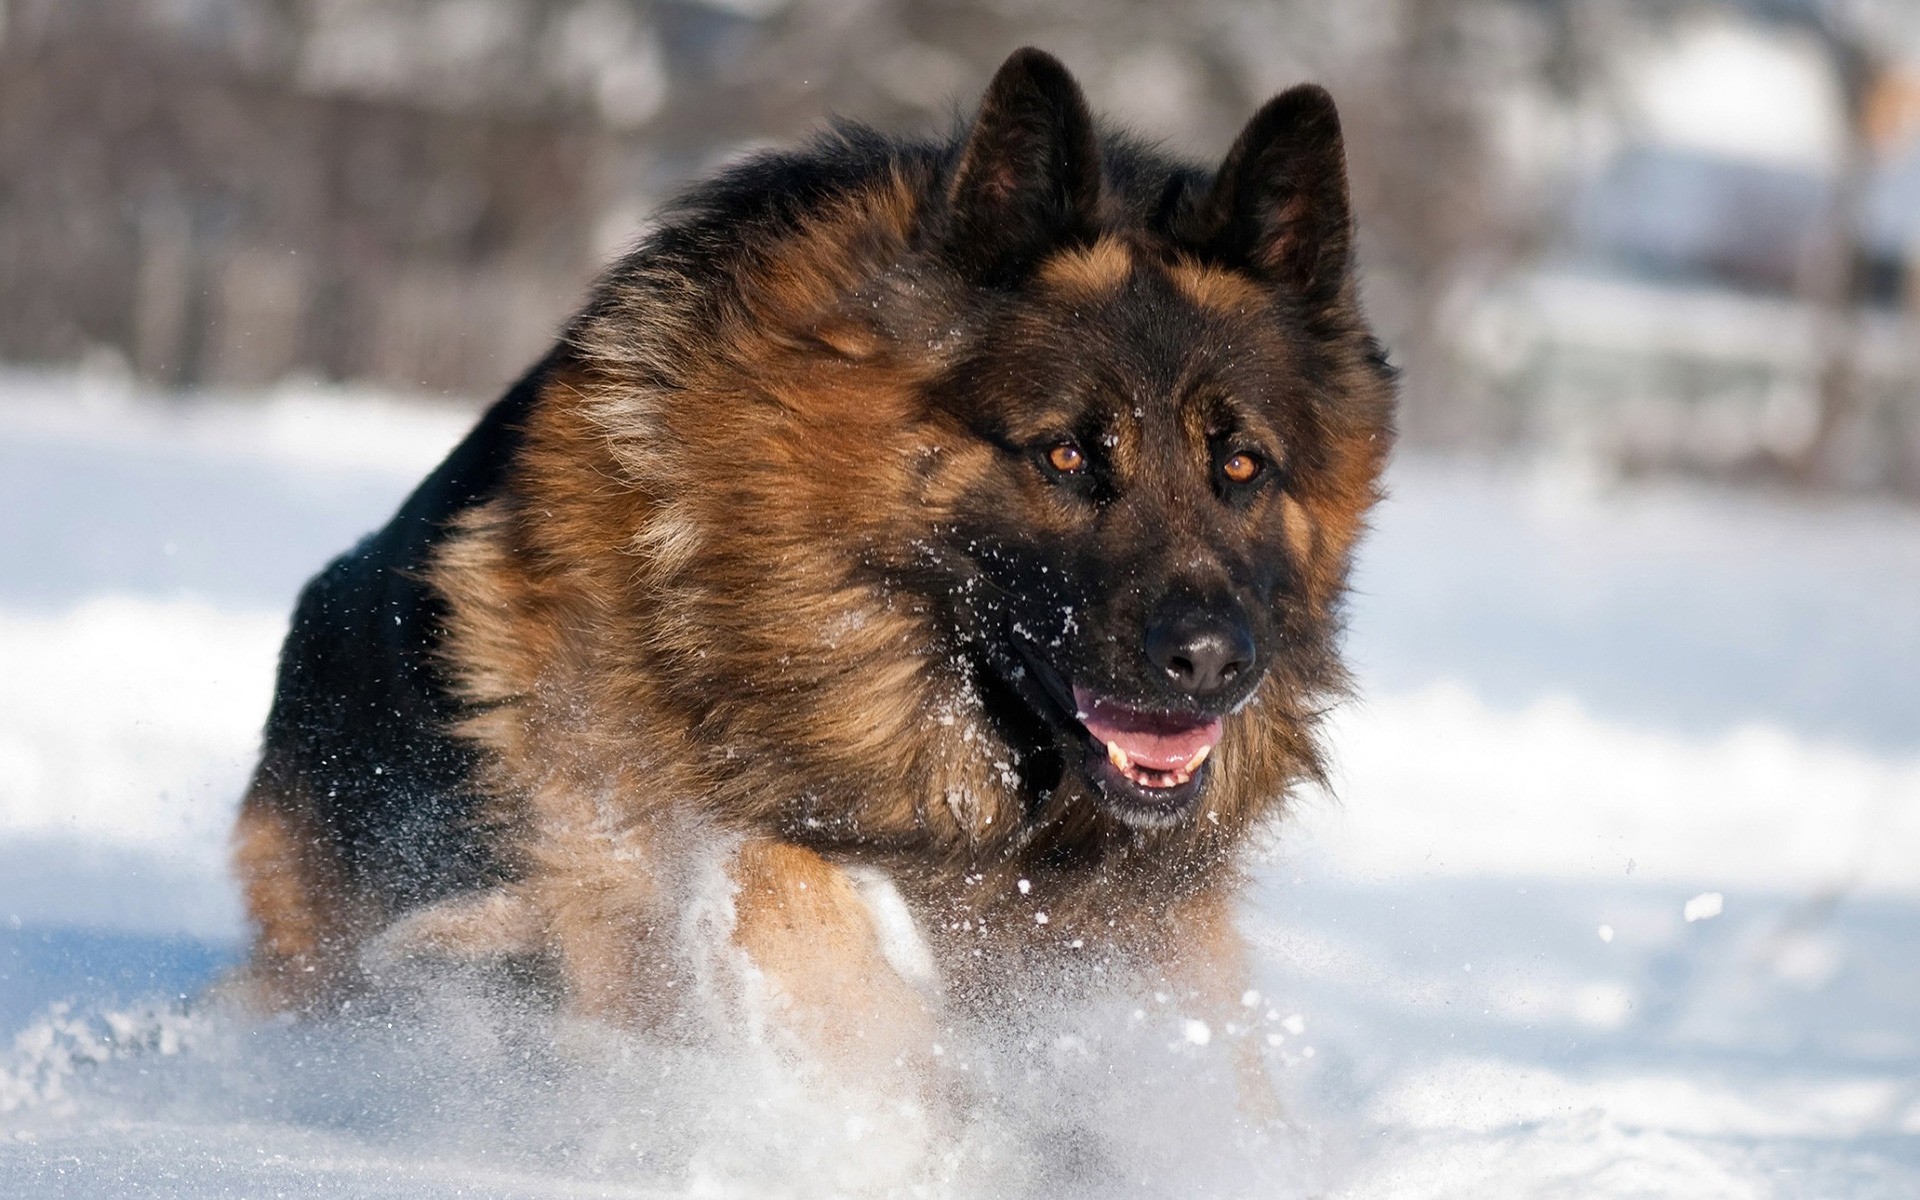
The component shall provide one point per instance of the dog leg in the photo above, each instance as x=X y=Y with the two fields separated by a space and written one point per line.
x=806 y=927
x=1205 y=960
x=474 y=927
x=600 y=909
x=307 y=921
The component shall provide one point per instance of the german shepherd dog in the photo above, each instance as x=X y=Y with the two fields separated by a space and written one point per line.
x=940 y=534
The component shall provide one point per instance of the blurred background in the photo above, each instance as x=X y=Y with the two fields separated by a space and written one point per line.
x=1657 y=234
x=1616 y=889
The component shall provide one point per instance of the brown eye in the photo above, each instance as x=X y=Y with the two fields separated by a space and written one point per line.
x=1066 y=458
x=1241 y=468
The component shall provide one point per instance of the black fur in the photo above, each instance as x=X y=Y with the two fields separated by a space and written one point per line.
x=361 y=710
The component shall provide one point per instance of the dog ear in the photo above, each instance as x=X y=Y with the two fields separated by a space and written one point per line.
x=1279 y=204
x=1029 y=177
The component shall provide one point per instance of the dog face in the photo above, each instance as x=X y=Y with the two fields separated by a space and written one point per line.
x=1167 y=426
x=1135 y=583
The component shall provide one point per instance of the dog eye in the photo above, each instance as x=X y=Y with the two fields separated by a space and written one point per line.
x=1242 y=467
x=1066 y=458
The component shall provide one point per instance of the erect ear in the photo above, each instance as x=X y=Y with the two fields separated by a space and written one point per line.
x=1279 y=204
x=1029 y=177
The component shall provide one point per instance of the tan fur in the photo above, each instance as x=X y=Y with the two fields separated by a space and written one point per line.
x=1299 y=527
x=1087 y=272
x=1225 y=292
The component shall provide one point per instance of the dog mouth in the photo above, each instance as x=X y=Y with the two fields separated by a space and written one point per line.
x=1154 y=751
x=1149 y=765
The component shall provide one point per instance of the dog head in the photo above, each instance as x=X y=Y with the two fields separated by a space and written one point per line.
x=1159 y=439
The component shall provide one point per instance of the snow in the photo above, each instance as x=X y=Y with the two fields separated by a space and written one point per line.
x=1704 y=907
x=1592 y=717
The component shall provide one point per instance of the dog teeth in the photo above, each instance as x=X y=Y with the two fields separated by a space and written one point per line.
x=1154 y=778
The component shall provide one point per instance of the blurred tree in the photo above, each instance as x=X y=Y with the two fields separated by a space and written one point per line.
x=415 y=192
x=1835 y=279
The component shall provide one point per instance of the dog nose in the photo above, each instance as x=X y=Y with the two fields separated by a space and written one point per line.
x=1202 y=648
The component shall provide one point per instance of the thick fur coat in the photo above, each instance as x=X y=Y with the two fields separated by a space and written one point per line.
x=888 y=513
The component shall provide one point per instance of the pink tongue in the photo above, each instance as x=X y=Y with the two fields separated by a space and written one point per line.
x=1157 y=741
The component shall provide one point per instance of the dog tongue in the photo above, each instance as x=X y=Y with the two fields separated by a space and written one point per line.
x=1158 y=741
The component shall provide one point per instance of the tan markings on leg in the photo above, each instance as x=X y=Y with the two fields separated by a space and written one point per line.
x=603 y=914
x=802 y=922
x=1085 y=273
x=615 y=965
x=306 y=920
x=497 y=923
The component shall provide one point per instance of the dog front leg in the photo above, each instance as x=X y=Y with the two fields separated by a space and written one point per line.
x=805 y=926
x=1205 y=961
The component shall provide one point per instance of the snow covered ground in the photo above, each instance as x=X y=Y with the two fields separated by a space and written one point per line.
x=1619 y=895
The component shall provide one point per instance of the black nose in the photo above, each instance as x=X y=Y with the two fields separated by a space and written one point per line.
x=1203 y=648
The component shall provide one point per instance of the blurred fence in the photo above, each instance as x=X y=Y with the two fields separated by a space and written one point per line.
x=191 y=205
x=415 y=192
x=1712 y=382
